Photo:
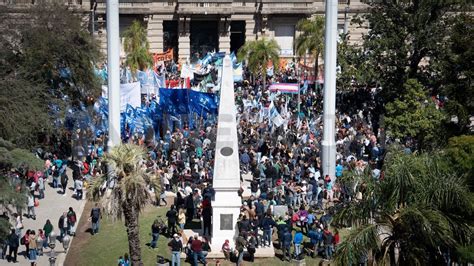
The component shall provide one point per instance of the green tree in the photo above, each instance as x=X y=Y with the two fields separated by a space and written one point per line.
x=46 y=59
x=136 y=47
x=420 y=208
x=258 y=54
x=311 y=39
x=414 y=115
x=12 y=190
x=453 y=72
x=460 y=154
x=403 y=40
x=130 y=192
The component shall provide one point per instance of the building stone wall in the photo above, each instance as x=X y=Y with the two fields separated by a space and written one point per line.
x=262 y=18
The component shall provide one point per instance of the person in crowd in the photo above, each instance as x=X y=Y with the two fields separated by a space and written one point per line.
x=48 y=228
x=298 y=242
x=71 y=222
x=176 y=247
x=64 y=180
x=63 y=226
x=226 y=249
x=315 y=236
x=251 y=247
x=196 y=247
x=206 y=248
x=41 y=187
x=181 y=218
x=286 y=244
x=206 y=217
x=31 y=206
x=172 y=216
x=41 y=240
x=95 y=218
x=328 y=240
x=25 y=240
x=33 y=248
x=240 y=244
x=267 y=224
x=79 y=186
x=13 y=244
x=155 y=233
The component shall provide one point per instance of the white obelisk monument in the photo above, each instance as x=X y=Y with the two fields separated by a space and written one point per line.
x=226 y=182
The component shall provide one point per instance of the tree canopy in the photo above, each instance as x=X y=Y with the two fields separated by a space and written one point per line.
x=311 y=39
x=258 y=54
x=129 y=193
x=421 y=208
x=46 y=59
x=136 y=47
x=414 y=115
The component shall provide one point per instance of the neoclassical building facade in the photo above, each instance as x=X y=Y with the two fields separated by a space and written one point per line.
x=193 y=27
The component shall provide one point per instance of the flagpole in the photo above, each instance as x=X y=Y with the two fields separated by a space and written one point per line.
x=299 y=81
x=329 y=102
x=113 y=61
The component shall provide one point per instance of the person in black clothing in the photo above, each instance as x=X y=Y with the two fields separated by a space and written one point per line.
x=207 y=220
x=64 y=179
x=254 y=187
x=260 y=210
x=189 y=204
x=251 y=247
x=155 y=233
x=14 y=243
x=244 y=225
x=176 y=247
x=172 y=216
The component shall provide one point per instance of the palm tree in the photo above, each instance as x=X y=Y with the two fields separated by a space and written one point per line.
x=258 y=53
x=421 y=209
x=311 y=39
x=136 y=47
x=127 y=191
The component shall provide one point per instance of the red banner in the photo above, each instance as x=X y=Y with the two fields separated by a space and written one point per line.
x=166 y=56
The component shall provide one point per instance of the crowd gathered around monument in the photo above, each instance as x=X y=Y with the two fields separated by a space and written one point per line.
x=284 y=194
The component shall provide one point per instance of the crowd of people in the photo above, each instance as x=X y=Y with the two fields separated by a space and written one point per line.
x=34 y=183
x=281 y=162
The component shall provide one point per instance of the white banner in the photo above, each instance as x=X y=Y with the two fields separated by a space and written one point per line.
x=129 y=94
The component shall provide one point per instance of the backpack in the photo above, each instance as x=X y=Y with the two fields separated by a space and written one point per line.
x=72 y=218
x=22 y=240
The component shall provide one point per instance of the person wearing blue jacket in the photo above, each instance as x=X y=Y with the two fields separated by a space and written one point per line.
x=286 y=244
x=316 y=237
x=267 y=225
x=298 y=241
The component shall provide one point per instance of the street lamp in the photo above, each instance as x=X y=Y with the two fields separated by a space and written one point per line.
x=66 y=241
x=52 y=246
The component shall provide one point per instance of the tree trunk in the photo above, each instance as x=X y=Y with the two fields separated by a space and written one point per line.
x=316 y=67
x=264 y=76
x=131 y=222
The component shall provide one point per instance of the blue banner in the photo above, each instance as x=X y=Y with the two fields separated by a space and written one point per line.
x=174 y=101
x=200 y=102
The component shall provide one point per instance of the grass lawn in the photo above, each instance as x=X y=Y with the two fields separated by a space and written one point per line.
x=106 y=247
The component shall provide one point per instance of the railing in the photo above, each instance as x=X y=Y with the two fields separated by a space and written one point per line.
x=34 y=2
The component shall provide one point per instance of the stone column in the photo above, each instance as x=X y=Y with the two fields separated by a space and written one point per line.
x=224 y=34
x=184 y=45
x=155 y=33
x=250 y=30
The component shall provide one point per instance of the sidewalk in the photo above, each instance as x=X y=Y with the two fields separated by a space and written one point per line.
x=51 y=207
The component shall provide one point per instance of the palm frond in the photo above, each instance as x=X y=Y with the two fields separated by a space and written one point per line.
x=357 y=244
